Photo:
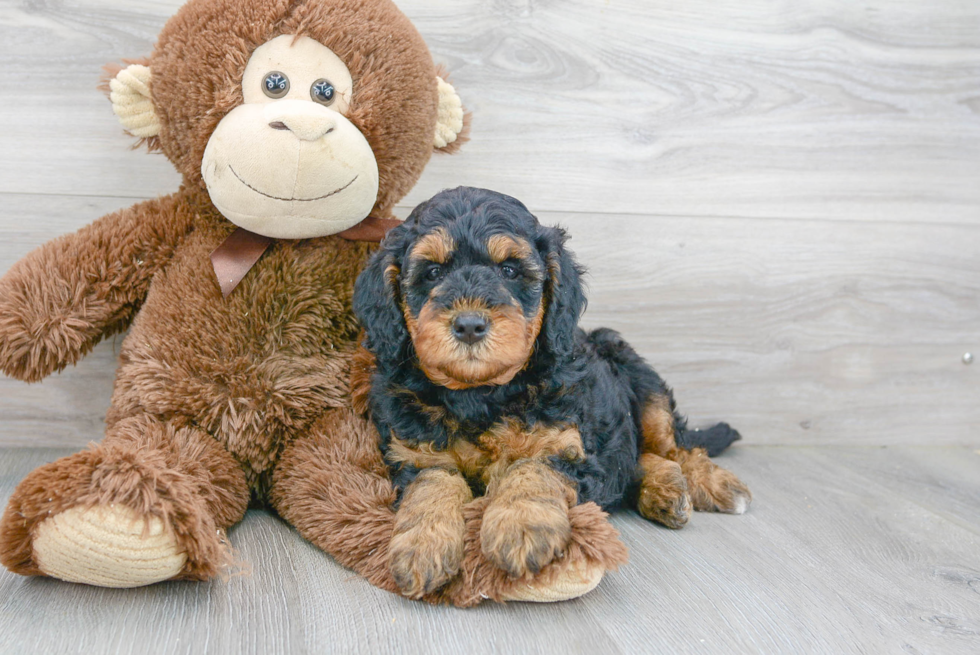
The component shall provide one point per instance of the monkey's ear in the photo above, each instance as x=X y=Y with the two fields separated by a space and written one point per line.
x=452 y=126
x=129 y=91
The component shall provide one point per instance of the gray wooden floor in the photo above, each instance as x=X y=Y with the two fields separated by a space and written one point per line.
x=846 y=549
x=779 y=204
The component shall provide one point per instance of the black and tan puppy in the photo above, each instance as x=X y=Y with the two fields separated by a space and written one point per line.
x=479 y=380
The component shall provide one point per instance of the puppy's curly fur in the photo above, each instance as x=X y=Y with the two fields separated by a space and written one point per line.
x=475 y=365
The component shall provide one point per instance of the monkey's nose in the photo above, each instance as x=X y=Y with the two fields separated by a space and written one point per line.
x=306 y=128
x=470 y=327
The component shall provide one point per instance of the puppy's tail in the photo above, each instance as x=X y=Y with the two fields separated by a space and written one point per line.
x=714 y=439
x=662 y=426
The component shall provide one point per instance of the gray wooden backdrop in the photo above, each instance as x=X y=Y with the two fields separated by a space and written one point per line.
x=779 y=202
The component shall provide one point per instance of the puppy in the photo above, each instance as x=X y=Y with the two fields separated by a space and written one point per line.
x=479 y=380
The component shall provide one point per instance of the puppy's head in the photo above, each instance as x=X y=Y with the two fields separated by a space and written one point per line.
x=471 y=284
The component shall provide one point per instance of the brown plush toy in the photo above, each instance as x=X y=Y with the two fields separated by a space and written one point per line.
x=301 y=123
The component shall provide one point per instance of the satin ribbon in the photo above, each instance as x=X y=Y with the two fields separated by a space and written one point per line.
x=236 y=256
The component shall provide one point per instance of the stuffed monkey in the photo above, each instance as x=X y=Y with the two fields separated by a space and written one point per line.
x=296 y=125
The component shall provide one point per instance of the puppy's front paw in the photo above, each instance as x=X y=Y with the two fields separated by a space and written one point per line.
x=526 y=535
x=663 y=492
x=425 y=557
x=426 y=547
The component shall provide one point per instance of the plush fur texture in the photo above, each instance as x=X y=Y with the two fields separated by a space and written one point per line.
x=219 y=402
x=470 y=311
x=182 y=476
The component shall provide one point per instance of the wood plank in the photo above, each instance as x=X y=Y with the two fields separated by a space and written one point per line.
x=795 y=331
x=836 y=554
x=826 y=560
x=862 y=110
x=67 y=139
x=945 y=481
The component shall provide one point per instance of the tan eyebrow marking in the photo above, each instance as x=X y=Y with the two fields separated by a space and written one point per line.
x=502 y=247
x=436 y=247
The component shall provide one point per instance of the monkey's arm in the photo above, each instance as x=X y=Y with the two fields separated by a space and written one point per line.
x=64 y=297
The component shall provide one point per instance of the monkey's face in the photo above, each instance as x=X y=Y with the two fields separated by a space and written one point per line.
x=287 y=163
x=472 y=295
x=299 y=118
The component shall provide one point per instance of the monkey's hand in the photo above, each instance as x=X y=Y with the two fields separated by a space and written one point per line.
x=64 y=297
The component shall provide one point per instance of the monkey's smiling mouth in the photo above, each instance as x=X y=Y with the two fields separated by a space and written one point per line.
x=332 y=193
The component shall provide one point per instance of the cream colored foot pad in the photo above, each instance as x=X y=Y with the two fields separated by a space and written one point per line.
x=106 y=547
x=578 y=580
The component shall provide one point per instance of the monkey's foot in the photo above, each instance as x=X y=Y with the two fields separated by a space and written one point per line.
x=107 y=546
x=577 y=580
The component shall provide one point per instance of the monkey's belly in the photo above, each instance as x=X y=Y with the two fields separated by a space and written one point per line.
x=252 y=369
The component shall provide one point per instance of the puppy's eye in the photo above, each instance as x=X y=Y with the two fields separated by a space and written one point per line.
x=509 y=271
x=433 y=273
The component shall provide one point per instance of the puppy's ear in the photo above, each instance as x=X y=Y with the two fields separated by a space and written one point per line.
x=564 y=297
x=377 y=302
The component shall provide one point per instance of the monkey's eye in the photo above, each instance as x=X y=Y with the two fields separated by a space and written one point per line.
x=322 y=91
x=275 y=85
x=433 y=272
x=509 y=271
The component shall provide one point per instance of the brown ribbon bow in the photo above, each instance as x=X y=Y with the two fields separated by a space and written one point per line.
x=236 y=256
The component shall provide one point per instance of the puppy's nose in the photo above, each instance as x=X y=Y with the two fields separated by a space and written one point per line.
x=470 y=327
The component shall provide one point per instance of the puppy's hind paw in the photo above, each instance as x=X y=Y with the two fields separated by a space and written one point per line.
x=713 y=489
x=726 y=494
x=663 y=493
